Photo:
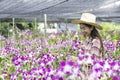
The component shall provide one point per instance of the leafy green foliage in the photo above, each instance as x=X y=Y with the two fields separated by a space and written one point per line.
x=11 y=70
x=110 y=30
x=0 y=59
x=107 y=26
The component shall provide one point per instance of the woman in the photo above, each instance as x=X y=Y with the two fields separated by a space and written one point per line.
x=93 y=43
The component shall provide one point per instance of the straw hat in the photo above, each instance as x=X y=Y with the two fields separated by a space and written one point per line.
x=88 y=18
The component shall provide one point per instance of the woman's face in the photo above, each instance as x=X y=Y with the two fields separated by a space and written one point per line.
x=85 y=29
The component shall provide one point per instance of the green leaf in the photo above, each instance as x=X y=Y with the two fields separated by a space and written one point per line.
x=1 y=59
x=1 y=77
x=11 y=69
x=19 y=78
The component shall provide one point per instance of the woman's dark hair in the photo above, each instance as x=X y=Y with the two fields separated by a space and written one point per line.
x=95 y=34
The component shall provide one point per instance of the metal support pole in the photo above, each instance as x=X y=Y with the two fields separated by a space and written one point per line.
x=45 y=24
x=35 y=24
x=13 y=19
x=0 y=36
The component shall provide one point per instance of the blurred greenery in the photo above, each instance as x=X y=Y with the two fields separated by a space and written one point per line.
x=110 y=30
x=6 y=26
x=4 y=29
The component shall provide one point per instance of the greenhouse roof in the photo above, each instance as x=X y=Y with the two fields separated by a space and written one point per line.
x=105 y=10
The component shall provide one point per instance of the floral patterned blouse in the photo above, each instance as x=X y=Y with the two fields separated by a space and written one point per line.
x=92 y=46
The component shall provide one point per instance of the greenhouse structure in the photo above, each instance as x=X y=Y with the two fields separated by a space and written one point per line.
x=50 y=40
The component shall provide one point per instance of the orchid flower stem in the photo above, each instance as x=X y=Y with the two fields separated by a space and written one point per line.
x=87 y=71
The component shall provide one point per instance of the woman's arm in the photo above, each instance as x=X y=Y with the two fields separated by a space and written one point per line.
x=96 y=47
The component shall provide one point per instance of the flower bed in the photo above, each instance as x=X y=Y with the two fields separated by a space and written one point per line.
x=58 y=57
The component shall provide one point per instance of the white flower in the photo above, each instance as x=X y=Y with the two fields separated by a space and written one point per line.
x=109 y=73
x=42 y=64
x=92 y=76
x=49 y=78
x=67 y=68
x=97 y=65
x=116 y=67
x=75 y=71
x=106 y=66
x=19 y=60
x=79 y=61
x=60 y=73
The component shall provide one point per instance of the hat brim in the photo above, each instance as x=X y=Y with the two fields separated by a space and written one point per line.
x=84 y=22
